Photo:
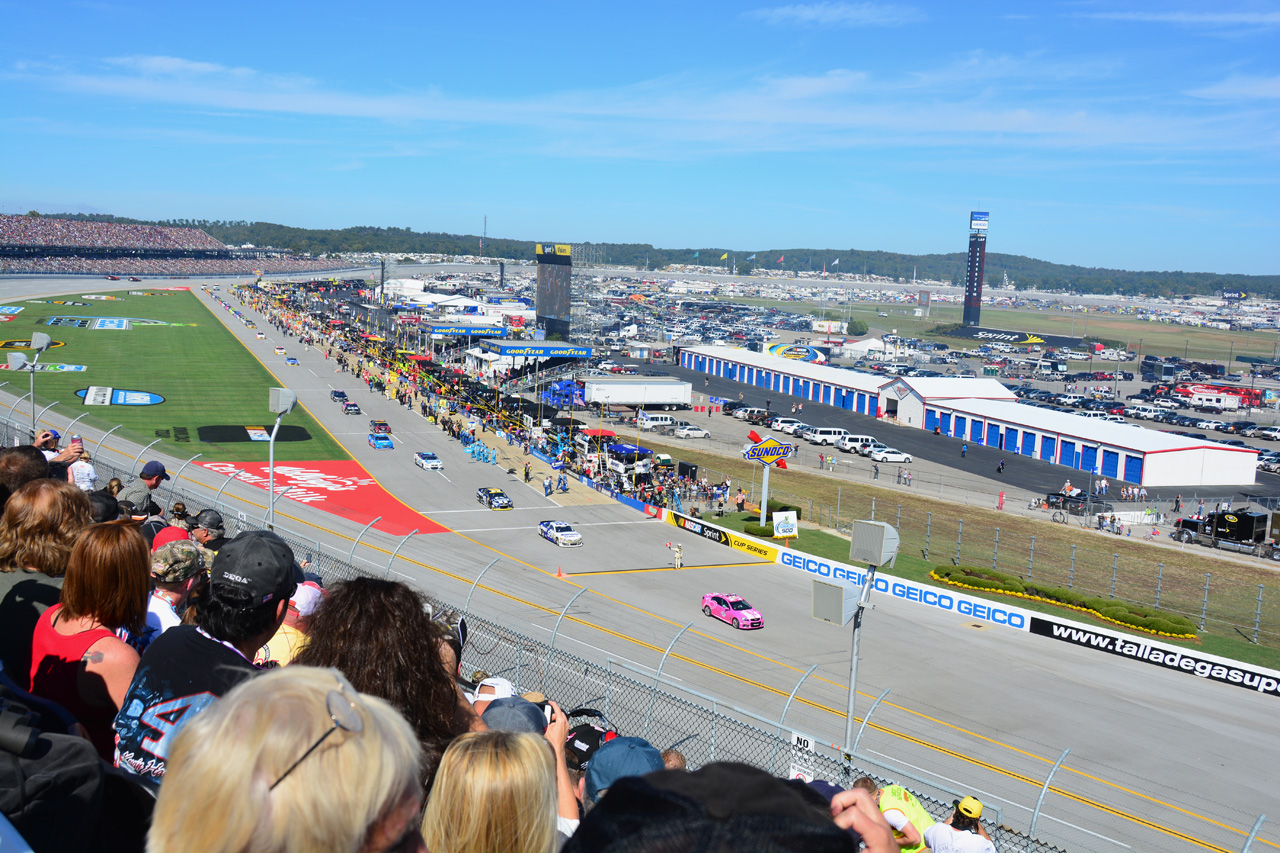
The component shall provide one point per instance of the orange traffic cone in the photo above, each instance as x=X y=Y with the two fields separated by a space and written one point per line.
x=559 y=573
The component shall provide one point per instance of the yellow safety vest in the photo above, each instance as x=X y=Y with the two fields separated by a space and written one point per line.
x=898 y=797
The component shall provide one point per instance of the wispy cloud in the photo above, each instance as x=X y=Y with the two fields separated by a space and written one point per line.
x=1219 y=19
x=1240 y=88
x=840 y=15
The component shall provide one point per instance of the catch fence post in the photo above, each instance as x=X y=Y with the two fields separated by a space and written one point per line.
x=657 y=678
x=1257 y=615
x=351 y=556
x=873 y=509
x=838 y=490
x=466 y=608
x=959 y=536
x=1159 y=584
x=555 y=632
x=928 y=528
x=397 y=551
x=139 y=456
x=173 y=481
x=783 y=719
x=995 y=550
x=1204 y=608
x=217 y=499
x=1032 y=558
x=1071 y=574
x=1035 y=815
x=1253 y=833
x=897 y=525
x=866 y=718
x=1115 y=567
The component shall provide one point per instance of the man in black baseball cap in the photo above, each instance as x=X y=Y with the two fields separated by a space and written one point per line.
x=207 y=529
x=186 y=668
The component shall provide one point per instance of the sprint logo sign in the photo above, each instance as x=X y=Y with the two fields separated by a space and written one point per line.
x=9 y=310
x=58 y=302
x=119 y=324
x=101 y=395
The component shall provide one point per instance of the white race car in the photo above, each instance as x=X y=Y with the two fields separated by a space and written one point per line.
x=560 y=533
x=428 y=461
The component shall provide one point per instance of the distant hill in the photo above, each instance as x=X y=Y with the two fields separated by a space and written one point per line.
x=1024 y=272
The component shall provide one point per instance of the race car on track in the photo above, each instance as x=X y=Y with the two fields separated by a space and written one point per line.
x=493 y=498
x=113 y=278
x=279 y=350
x=262 y=336
x=733 y=609
x=381 y=442
x=379 y=428
x=350 y=408
x=134 y=278
x=427 y=461
x=290 y=360
x=338 y=396
x=560 y=533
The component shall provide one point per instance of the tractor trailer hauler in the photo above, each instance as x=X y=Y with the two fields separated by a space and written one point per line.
x=662 y=394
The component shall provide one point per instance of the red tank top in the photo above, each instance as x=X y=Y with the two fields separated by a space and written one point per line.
x=56 y=662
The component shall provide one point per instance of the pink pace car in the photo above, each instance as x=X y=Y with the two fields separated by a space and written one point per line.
x=733 y=609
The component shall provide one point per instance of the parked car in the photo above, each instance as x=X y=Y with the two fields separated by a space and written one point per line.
x=691 y=431
x=891 y=454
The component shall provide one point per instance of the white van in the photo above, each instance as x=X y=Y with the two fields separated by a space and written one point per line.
x=851 y=443
x=1093 y=415
x=825 y=435
x=1144 y=413
x=1070 y=399
x=655 y=421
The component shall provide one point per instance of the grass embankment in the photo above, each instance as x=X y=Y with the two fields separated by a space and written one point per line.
x=212 y=386
x=967 y=535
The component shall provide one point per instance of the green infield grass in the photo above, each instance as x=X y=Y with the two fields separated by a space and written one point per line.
x=212 y=386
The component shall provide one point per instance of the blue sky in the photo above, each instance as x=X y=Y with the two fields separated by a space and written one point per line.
x=1121 y=133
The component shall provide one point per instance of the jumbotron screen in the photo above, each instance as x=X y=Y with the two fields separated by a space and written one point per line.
x=555 y=270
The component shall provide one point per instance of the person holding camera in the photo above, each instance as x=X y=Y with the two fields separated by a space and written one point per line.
x=960 y=833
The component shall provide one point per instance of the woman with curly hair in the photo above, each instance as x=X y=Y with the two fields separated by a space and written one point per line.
x=38 y=529
x=379 y=635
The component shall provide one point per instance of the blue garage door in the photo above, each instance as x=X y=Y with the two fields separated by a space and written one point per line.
x=930 y=419
x=975 y=431
x=862 y=403
x=826 y=394
x=993 y=435
x=946 y=423
x=1068 y=456
x=1088 y=458
x=1133 y=469
x=1010 y=439
x=873 y=405
x=1046 y=448
x=961 y=424
x=1028 y=444
x=1110 y=463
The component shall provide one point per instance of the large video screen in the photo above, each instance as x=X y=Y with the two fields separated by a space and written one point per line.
x=555 y=272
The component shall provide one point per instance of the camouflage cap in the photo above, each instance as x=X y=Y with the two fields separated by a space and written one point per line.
x=176 y=562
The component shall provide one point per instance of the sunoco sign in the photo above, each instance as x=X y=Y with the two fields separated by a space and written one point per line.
x=769 y=452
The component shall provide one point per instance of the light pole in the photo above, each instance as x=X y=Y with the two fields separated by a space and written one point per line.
x=18 y=361
x=282 y=402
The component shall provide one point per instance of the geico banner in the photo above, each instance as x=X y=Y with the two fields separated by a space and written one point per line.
x=1210 y=667
x=734 y=540
x=927 y=596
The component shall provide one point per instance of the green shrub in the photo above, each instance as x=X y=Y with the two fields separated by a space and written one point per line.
x=1131 y=615
x=764 y=531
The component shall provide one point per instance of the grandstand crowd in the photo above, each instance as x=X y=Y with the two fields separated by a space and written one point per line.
x=98 y=241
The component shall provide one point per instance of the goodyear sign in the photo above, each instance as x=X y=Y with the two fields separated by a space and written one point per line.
x=545 y=349
x=769 y=452
x=470 y=331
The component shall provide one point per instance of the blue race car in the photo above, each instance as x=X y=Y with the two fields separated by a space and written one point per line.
x=493 y=498
x=291 y=361
x=380 y=442
x=560 y=533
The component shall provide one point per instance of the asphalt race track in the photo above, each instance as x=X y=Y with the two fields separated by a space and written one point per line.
x=1158 y=761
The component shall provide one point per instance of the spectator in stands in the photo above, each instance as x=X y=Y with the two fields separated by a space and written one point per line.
x=293 y=634
x=178 y=516
x=380 y=636
x=486 y=779
x=728 y=806
x=292 y=762
x=82 y=474
x=208 y=531
x=961 y=832
x=58 y=459
x=186 y=668
x=37 y=533
x=103 y=506
x=673 y=759
x=902 y=811
x=139 y=490
x=490 y=689
x=76 y=658
x=618 y=759
x=175 y=569
x=19 y=466
x=114 y=485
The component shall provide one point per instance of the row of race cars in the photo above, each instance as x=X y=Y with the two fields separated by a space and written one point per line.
x=731 y=609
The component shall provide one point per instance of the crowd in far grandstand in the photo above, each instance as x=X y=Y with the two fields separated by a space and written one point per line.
x=43 y=231
x=87 y=247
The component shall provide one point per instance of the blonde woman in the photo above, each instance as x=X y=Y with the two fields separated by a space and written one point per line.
x=495 y=792
x=289 y=761
x=82 y=474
